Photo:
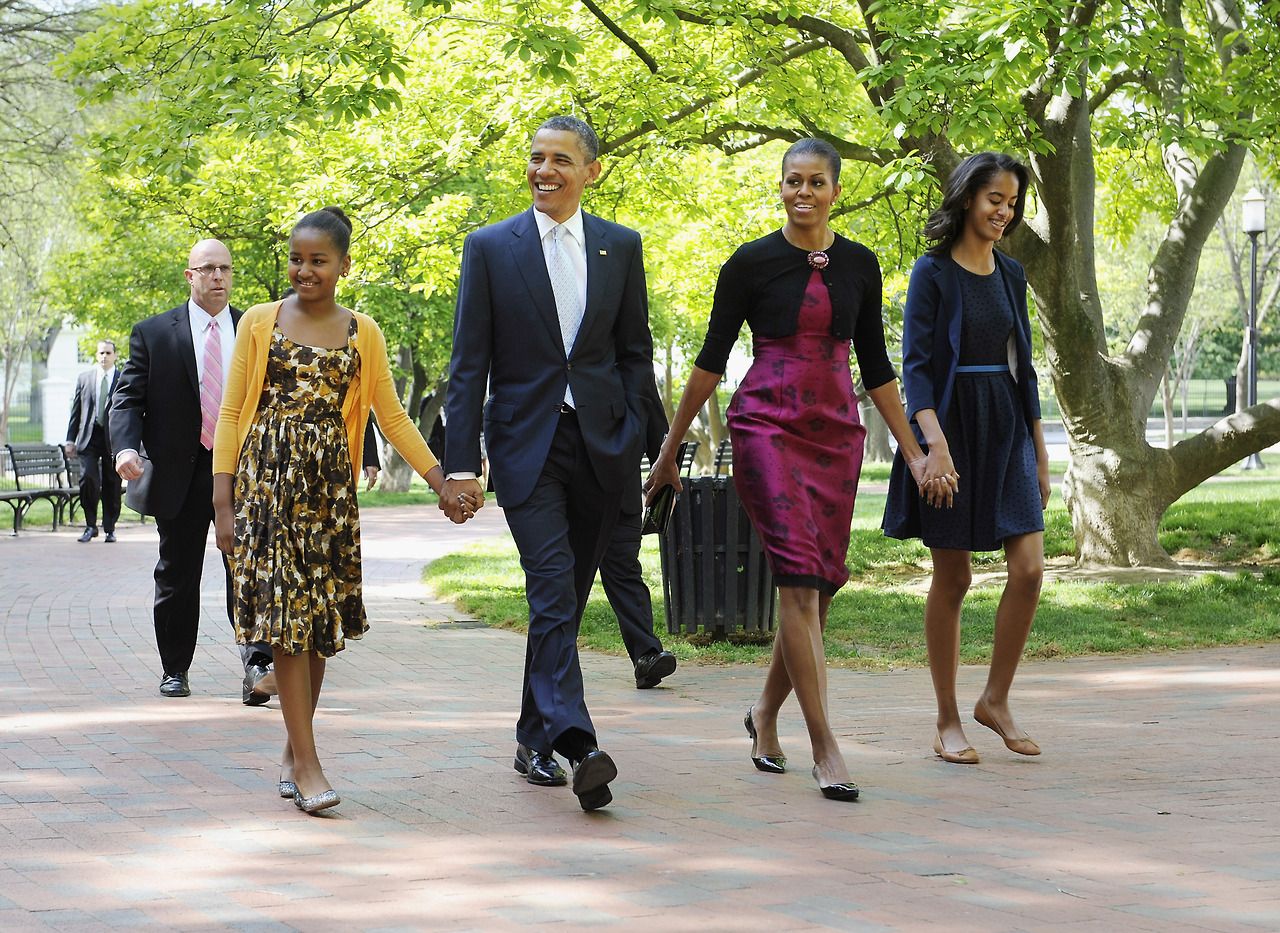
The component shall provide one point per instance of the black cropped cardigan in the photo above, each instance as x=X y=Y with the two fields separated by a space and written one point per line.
x=763 y=283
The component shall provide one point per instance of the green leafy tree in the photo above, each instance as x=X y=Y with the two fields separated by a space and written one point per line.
x=908 y=88
x=1158 y=98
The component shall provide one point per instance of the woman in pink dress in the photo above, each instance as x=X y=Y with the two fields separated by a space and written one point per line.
x=806 y=292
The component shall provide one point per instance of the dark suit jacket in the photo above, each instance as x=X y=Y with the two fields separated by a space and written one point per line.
x=931 y=335
x=83 y=408
x=507 y=343
x=155 y=410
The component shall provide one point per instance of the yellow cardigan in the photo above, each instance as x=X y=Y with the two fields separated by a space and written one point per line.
x=371 y=388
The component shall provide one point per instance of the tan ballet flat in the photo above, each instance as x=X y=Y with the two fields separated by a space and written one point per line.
x=1023 y=746
x=966 y=756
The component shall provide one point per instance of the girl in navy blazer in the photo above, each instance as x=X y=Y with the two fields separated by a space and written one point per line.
x=972 y=399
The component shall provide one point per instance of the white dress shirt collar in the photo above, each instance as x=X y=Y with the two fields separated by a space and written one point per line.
x=196 y=310
x=573 y=226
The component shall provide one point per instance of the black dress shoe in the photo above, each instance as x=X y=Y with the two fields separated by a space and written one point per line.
x=771 y=764
x=175 y=685
x=88 y=534
x=653 y=667
x=110 y=538
x=540 y=768
x=251 y=689
x=591 y=777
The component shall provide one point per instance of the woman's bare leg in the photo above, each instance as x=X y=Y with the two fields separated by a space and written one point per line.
x=952 y=574
x=1014 y=615
x=299 y=677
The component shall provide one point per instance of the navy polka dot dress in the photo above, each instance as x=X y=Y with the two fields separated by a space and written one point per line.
x=987 y=433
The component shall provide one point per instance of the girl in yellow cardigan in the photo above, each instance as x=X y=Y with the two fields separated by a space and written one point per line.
x=290 y=433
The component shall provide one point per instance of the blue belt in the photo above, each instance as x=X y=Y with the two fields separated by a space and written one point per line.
x=997 y=368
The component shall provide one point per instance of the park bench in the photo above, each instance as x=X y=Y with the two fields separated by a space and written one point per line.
x=39 y=472
x=684 y=458
x=724 y=457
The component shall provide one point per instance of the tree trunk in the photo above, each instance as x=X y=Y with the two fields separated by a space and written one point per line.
x=876 y=448
x=1166 y=399
x=1242 y=372
x=1185 y=390
x=715 y=429
x=397 y=475
x=1116 y=496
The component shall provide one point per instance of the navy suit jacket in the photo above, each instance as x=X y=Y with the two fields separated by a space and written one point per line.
x=931 y=335
x=80 y=427
x=155 y=410
x=509 y=368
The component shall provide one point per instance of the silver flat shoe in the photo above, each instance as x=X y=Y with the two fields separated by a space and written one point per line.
x=288 y=789
x=318 y=802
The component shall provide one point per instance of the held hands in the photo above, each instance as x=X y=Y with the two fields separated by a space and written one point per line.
x=936 y=477
x=460 y=499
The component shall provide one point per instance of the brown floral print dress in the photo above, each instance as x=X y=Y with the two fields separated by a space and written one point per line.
x=296 y=572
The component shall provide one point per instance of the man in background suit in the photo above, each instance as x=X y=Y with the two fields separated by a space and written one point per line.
x=162 y=420
x=552 y=325
x=88 y=437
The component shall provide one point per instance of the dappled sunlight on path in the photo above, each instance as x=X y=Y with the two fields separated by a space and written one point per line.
x=1152 y=807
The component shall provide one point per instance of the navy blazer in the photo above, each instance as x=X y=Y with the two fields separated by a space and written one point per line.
x=931 y=335
x=509 y=369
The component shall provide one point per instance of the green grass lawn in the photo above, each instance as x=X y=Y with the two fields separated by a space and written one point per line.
x=875 y=622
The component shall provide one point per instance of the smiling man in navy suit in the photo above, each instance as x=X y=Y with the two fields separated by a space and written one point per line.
x=553 y=361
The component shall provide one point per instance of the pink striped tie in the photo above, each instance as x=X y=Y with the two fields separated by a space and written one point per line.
x=211 y=384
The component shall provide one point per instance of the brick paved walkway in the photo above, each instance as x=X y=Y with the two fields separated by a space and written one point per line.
x=1154 y=806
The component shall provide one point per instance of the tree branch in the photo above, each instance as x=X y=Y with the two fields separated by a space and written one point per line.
x=737 y=82
x=1117 y=80
x=761 y=134
x=1202 y=197
x=622 y=36
x=1226 y=442
x=325 y=17
x=1037 y=97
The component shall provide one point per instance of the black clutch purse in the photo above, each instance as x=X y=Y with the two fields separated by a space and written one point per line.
x=658 y=515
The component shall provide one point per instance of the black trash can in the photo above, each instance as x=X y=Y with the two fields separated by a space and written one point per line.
x=714 y=575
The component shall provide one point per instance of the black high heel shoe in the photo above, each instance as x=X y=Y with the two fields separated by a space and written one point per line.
x=771 y=764
x=847 y=791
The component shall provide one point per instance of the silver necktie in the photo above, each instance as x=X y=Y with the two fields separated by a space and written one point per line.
x=564 y=284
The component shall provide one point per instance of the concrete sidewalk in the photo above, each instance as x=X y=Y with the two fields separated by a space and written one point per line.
x=1154 y=806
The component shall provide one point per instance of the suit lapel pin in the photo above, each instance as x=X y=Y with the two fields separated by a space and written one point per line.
x=604 y=252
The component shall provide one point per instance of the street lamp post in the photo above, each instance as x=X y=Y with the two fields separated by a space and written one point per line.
x=1255 y=222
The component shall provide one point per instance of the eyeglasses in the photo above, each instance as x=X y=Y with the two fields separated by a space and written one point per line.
x=207 y=271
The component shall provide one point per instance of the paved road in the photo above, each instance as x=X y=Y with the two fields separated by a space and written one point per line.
x=1153 y=807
